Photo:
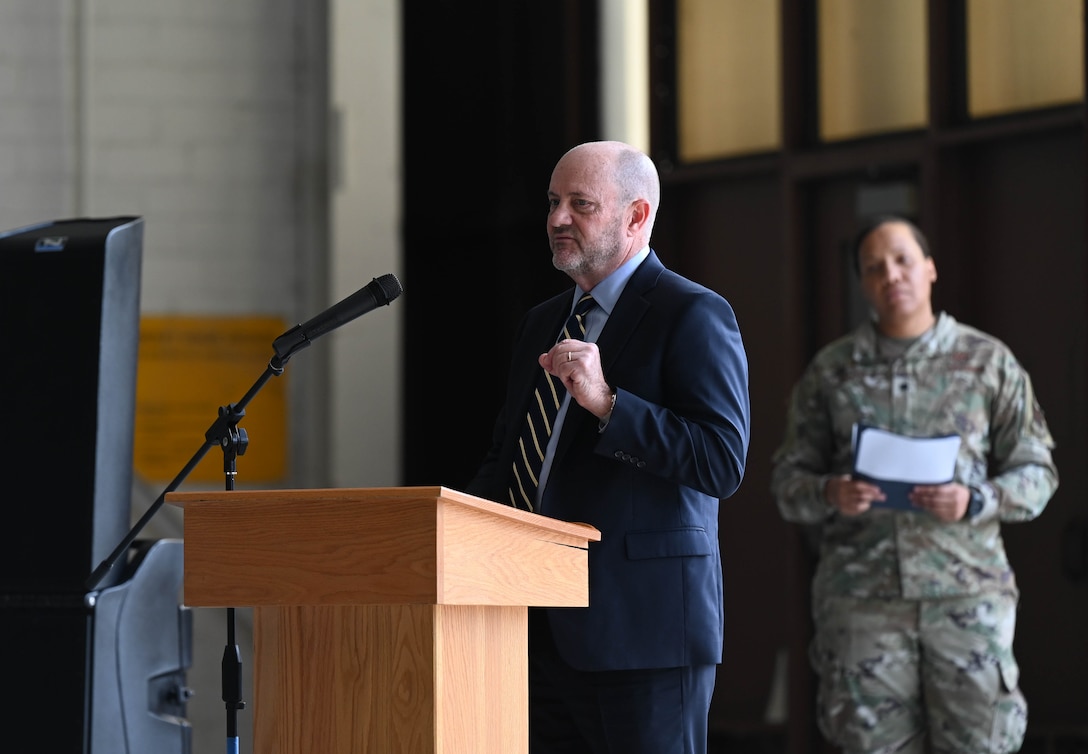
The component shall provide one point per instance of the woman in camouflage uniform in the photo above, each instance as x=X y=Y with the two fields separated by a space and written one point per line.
x=915 y=610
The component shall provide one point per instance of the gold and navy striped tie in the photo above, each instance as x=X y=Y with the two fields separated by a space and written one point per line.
x=539 y=419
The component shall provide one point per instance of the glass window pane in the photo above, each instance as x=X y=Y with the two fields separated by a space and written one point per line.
x=1023 y=55
x=728 y=78
x=872 y=67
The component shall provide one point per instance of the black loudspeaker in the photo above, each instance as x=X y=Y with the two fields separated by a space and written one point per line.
x=105 y=673
x=69 y=333
x=87 y=672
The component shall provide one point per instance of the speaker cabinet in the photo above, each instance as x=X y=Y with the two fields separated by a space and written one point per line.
x=102 y=673
x=69 y=334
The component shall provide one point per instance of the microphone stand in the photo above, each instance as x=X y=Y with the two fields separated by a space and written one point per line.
x=234 y=444
x=225 y=433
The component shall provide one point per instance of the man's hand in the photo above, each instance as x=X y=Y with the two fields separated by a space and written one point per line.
x=578 y=364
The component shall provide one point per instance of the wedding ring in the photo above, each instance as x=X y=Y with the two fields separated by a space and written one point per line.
x=568 y=356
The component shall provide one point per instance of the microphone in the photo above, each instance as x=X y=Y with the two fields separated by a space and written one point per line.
x=379 y=292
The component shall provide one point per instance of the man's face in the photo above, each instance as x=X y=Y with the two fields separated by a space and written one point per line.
x=896 y=275
x=585 y=223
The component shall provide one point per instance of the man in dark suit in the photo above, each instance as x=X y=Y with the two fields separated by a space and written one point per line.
x=652 y=433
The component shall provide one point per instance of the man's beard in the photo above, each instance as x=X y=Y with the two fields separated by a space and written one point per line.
x=590 y=258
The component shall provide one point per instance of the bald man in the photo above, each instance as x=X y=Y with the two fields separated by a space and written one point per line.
x=652 y=432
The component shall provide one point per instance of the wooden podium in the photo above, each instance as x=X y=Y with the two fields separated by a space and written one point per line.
x=386 y=620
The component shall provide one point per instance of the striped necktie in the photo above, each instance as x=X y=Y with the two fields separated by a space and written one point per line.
x=539 y=419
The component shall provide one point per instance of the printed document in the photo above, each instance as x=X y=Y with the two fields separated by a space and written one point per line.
x=896 y=463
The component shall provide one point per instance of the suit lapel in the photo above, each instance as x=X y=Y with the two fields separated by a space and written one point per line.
x=629 y=311
x=622 y=322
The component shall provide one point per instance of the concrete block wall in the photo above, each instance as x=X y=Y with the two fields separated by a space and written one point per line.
x=188 y=113
x=211 y=120
x=208 y=119
x=35 y=134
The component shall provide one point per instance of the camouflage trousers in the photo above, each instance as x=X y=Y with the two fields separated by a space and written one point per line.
x=914 y=676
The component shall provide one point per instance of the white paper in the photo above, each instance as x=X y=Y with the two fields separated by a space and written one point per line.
x=896 y=463
x=918 y=460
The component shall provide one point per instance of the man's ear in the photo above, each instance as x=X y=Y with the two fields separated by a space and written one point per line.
x=640 y=215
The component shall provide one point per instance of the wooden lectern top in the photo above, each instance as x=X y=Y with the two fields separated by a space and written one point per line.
x=376 y=546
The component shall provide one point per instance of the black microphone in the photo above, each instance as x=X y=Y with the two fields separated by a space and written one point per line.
x=379 y=292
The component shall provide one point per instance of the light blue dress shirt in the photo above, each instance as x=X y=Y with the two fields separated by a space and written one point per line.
x=606 y=293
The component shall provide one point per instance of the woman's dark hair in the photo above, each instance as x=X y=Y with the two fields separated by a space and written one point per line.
x=873 y=222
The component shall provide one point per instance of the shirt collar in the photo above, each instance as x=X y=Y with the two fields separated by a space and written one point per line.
x=607 y=292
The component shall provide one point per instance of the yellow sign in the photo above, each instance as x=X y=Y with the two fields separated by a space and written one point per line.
x=189 y=367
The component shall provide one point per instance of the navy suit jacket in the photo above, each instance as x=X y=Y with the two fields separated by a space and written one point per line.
x=651 y=481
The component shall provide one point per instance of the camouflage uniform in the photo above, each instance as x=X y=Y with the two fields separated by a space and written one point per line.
x=915 y=617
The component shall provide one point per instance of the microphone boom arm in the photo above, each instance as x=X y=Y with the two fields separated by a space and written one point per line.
x=221 y=433
x=224 y=430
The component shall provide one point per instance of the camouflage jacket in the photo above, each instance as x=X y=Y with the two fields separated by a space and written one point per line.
x=954 y=379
